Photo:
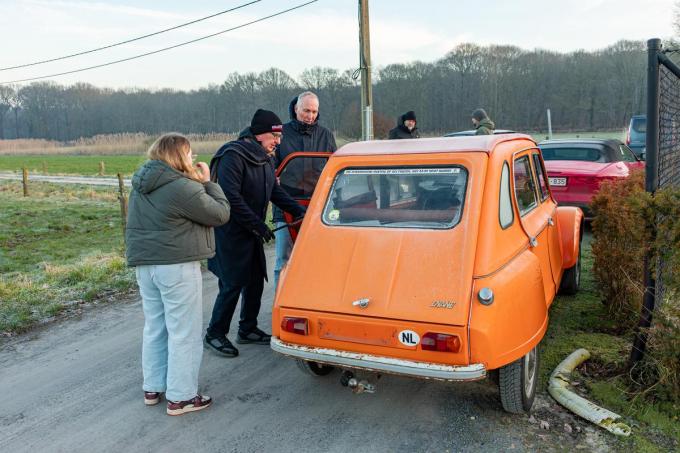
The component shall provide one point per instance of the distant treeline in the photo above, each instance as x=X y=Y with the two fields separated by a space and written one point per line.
x=584 y=91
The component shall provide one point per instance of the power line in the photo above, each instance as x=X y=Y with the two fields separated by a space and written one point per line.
x=130 y=40
x=165 y=48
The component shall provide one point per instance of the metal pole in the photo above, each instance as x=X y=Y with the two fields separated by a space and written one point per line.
x=549 y=126
x=651 y=184
x=365 y=66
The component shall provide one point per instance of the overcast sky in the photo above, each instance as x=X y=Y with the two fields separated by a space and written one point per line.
x=324 y=33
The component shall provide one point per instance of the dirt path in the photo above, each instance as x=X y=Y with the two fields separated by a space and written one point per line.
x=75 y=386
x=85 y=180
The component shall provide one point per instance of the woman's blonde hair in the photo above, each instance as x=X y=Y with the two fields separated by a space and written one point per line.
x=173 y=149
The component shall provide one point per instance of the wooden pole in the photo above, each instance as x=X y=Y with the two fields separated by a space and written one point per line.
x=24 y=180
x=122 y=198
x=44 y=165
x=365 y=66
x=101 y=168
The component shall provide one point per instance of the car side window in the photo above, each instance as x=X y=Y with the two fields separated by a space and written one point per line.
x=540 y=173
x=525 y=186
x=627 y=154
x=505 y=213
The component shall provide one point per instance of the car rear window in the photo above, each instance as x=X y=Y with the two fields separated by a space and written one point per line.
x=639 y=125
x=574 y=153
x=404 y=197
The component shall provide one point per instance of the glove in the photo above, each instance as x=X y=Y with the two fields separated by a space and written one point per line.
x=263 y=232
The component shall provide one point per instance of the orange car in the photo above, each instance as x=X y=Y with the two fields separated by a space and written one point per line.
x=433 y=258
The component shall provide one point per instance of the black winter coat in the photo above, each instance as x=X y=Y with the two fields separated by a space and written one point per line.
x=298 y=136
x=246 y=174
x=402 y=131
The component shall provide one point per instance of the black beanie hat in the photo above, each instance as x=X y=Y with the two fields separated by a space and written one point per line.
x=479 y=114
x=410 y=115
x=265 y=121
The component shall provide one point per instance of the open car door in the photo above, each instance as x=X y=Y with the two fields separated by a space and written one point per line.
x=298 y=174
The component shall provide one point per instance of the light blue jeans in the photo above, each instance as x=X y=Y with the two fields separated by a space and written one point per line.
x=172 y=346
x=284 y=245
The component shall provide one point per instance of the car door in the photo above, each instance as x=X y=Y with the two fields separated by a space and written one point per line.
x=298 y=174
x=535 y=214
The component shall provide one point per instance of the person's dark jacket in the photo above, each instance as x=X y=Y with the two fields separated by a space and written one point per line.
x=170 y=216
x=299 y=136
x=485 y=127
x=246 y=174
x=402 y=131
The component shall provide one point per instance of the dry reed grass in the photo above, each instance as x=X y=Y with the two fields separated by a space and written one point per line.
x=110 y=144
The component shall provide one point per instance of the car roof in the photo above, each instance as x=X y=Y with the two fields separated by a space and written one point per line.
x=611 y=142
x=474 y=131
x=477 y=143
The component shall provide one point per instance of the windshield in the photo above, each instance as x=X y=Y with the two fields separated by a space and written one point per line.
x=397 y=197
x=574 y=153
x=639 y=125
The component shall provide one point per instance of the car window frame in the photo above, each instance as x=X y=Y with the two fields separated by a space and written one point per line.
x=536 y=204
x=536 y=155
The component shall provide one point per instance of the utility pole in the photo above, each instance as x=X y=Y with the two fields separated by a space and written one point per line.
x=365 y=67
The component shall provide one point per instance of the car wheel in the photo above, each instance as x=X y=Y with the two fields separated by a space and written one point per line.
x=517 y=383
x=571 y=279
x=314 y=368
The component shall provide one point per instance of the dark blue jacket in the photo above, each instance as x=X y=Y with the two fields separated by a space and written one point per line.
x=246 y=174
x=298 y=136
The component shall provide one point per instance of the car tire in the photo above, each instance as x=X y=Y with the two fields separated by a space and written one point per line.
x=571 y=279
x=314 y=368
x=517 y=383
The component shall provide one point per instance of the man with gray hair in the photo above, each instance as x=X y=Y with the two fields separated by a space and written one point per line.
x=302 y=133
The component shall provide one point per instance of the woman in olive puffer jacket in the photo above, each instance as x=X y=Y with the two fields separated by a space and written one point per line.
x=172 y=211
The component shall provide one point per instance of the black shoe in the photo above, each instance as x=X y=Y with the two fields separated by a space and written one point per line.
x=220 y=345
x=255 y=336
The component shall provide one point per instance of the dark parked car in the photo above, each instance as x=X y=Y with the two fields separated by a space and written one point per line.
x=576 y=167
x=472 y=132
x=637 y=135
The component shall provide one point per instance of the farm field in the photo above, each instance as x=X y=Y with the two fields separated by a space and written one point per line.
x=58 y=163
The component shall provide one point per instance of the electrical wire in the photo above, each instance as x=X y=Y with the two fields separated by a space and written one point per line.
x=165 y=48
x=130 y=40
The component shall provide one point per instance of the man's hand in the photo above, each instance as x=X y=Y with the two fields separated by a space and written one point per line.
x=264 y=233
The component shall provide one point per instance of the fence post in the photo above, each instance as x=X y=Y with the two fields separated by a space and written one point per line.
x=101 y=168
x=44 y=167
x=24 y=180
x=123 y=203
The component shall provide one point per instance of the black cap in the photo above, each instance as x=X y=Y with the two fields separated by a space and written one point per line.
x=410 y=115
x=479 y=114
x=265 y=121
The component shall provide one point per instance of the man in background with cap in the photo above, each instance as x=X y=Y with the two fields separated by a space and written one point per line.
x=302 y=133
x=482 y=123
x=406 y=127
x=245 y=171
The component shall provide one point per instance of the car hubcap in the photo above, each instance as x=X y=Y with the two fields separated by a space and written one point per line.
x=529 y=372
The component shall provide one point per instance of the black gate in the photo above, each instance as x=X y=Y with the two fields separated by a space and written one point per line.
x=662 y=168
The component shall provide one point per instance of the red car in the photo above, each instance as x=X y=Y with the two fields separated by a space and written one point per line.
x=576 y=167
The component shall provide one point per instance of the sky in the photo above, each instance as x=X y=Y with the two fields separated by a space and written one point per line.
x=324 y=33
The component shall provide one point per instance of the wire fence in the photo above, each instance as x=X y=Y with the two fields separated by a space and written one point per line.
x=669 y=128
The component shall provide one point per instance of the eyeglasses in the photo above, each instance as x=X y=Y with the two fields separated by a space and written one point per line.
x=277 y=135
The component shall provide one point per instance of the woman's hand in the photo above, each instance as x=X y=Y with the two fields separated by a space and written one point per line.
x=203 y=171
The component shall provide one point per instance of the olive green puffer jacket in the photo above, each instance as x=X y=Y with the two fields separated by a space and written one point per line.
x=170 y=216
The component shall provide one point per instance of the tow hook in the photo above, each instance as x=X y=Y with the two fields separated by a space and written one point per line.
x=357 y=386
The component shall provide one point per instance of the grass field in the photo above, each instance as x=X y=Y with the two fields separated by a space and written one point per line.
x=61 y=246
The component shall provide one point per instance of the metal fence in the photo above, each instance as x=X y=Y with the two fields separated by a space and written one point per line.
x=662 y=167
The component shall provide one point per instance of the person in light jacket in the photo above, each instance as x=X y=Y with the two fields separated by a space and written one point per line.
x=172 y=211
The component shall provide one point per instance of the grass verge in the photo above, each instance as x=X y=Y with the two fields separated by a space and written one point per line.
x=58 y=248
x=581 y=321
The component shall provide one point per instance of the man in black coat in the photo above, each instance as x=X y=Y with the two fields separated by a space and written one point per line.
x=406 y=127
x=302 y=133
x=245 y=171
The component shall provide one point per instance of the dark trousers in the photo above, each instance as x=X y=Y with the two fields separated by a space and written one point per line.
x=225 y=305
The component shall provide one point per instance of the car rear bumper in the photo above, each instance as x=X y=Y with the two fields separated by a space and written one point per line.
x=390 y=365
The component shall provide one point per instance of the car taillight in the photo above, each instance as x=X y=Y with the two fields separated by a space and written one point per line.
x=295 y=325
x=440 y=342
x=628 y=137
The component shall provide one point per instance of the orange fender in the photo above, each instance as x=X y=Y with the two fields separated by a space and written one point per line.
x=570 y=222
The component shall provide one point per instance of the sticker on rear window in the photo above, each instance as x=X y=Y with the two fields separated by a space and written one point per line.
x=409 y=338
x=334 y=215
x=403 y=171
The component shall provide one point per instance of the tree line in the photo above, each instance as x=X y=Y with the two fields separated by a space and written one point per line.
x=595 y=90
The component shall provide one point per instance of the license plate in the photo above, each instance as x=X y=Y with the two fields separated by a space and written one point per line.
x=558 y=181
